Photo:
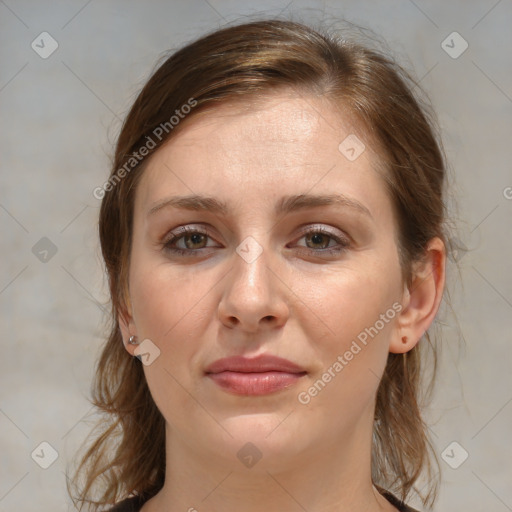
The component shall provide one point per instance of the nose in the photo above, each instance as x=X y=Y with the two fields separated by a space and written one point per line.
x=254 y=298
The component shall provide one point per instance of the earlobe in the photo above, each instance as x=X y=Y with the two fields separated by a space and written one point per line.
x=421 y=299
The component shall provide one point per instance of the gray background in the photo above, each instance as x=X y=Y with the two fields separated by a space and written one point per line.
x=60 y=116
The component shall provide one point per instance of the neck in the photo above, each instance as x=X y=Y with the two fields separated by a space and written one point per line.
x=323 y=478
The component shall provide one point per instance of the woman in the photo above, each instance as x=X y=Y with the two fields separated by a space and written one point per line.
x=273 y=233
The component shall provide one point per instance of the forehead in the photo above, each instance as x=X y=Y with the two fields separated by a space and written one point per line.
x=277 y=117
x=263 y=143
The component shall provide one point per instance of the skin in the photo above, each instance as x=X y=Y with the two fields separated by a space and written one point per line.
x=292 y=301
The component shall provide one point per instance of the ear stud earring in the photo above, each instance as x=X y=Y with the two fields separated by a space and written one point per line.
x=133 y=340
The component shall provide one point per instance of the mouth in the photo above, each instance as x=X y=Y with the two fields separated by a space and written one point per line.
x=262 y=375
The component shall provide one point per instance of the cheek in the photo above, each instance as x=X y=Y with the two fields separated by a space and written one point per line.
x=340 y=305
x=172 y=309
x=358 y=309
x=168 y=309
x=162 y=297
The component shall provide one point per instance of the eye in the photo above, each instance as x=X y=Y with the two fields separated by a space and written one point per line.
x=194 y=239
x=320 y=237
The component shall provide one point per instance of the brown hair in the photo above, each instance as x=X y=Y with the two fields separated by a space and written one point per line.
x=237 y=62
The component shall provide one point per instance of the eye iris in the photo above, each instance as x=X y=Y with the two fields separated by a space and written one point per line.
x=317 y=238
x=196 y=238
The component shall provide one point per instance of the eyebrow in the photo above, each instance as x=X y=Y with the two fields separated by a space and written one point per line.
x=286 y=204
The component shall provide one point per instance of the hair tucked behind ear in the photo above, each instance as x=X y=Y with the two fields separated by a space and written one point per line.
x=238 y=63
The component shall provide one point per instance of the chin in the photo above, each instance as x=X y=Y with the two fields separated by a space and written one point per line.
x=266 y=433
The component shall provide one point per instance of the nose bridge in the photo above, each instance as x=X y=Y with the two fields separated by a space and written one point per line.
x=253 y=253
x=251 y=270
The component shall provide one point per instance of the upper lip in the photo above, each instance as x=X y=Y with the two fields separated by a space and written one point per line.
x=259 y=364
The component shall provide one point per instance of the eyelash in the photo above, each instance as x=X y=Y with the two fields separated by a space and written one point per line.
x=186 y=230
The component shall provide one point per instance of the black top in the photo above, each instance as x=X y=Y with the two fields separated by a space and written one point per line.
x=134 y=504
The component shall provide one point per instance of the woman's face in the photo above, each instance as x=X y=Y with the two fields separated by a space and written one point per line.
x=275 y=272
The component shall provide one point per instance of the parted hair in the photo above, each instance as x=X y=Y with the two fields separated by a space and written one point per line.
x=237 y=63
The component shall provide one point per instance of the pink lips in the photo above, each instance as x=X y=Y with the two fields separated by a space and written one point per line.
x=257 y=376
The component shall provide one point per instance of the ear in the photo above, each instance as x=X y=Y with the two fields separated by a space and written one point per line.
x=127 y=326
x=421 y=299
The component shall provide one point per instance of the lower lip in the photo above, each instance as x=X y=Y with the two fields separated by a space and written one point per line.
x=255 y=384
